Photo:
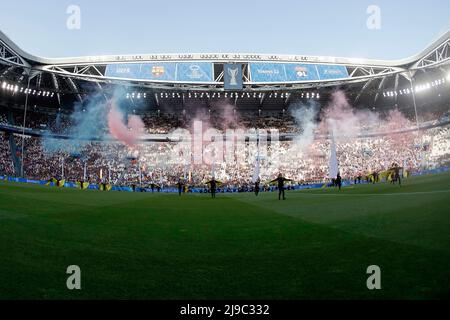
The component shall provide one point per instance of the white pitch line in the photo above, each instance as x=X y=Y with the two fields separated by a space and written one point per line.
x=375 y=194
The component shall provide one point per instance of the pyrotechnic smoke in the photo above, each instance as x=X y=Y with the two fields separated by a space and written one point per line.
x=87 y=122
x=339 y=118
x=227 y=113
x=95 y=118
x=305 y=118
x=395 y=122
x=342 y=121
x=128 y=135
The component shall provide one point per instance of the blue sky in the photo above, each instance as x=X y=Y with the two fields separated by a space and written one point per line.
x=319 y=27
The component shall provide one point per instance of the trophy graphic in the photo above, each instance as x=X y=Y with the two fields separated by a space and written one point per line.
x=233 y=76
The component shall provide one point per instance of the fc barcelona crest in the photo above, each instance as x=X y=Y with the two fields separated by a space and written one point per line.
x=158 y=71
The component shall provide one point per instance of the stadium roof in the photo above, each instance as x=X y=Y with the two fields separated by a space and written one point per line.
x=223 y=57
x=264 y=77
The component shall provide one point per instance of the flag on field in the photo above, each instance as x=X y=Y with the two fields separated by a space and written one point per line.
x=104 y=187
x=56 y=182
x=50 y=181
x=256 y=170
x=60 y=183
x=82 y=185
x=334 y=168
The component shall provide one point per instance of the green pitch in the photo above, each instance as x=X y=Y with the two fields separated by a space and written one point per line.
x=315 y=245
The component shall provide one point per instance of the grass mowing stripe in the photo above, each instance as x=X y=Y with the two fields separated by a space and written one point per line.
x=233 y=247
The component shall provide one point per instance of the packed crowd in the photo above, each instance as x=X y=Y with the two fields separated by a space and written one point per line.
x=160 y=163
x=439 y=152
x=163 y=163
x=160 y=123
x=6 y=162
x=3 y=119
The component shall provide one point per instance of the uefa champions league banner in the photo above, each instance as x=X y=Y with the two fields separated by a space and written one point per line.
x=195 y=72
x=232 y=76
x=162 y=71
x=295 y=72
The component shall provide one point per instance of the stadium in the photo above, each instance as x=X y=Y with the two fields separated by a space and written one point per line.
x=101 y=167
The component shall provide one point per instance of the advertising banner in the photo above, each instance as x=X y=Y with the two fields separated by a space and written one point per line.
x=162 y=71
x=267 y=72
x=331 y=72
x=295 y=72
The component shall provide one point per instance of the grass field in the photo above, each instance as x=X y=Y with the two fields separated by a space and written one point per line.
x=315 y=245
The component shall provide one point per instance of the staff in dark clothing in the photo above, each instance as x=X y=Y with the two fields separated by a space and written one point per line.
x=212 y=185
x=339 y=181
x=397 y=175
x=180 y=187
x=280 y=180
x=257 y=182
